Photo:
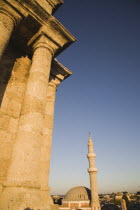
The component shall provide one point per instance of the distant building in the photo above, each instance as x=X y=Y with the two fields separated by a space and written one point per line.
x=138 y=196
x=110 y=207
x=77 y=198
x=119 y=196
x=81 y=197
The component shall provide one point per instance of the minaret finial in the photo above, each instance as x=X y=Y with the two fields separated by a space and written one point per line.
x=89 y=135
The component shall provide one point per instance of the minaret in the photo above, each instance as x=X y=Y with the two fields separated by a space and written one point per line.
x=95 y=205
x=123 y=204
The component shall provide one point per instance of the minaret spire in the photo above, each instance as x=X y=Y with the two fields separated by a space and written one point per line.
x=95 y=205
x=89 y=134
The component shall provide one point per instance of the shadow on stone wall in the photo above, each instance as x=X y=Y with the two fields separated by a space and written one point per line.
x=6 y=66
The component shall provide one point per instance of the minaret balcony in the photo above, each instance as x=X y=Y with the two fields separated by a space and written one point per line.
x=91 y=155
x=92 y=170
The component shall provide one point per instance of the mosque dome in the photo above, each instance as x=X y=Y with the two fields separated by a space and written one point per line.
x=79 y=193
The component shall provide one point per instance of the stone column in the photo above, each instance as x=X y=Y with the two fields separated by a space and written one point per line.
x=8 y=20
x=10 y=108
x=47 y=134
x=123 y=204
x=58 y=74
x=23 y=176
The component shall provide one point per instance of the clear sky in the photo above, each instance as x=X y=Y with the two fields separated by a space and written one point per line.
x=102 y=96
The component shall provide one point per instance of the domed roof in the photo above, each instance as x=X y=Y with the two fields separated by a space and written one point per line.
x=79 y=193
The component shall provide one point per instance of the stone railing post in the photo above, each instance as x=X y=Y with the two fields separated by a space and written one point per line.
x=24 y=172
x=9 y=18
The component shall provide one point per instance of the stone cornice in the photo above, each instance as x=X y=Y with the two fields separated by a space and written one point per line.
x=54 y=29
x=58 y=74
x=39 y=9
x=49 y=5
x=55 y=4
x=37 y=20
x=16 y=6
x=59 y=71
x=10 y=12
x=31 y=7
x=42 y=41
x=56 y=34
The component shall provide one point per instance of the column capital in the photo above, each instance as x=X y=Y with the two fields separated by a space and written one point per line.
x=12 y=12
x=54 y=82
x=56 y=36
x=9 y=18
x=41 y=40
x=58 y=33
x=59 y=71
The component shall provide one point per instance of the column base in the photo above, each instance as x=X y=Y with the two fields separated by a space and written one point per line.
x=21 y=198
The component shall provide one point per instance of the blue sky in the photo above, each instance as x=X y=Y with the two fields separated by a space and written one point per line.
x=102 y=96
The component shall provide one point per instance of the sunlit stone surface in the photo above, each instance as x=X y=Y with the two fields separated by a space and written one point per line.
x=30 y=39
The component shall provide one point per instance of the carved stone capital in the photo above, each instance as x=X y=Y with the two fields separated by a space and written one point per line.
x=54 y=82
x=10 y=12
x=41 y=40
x=58 y=33
x=9 y=18
x=55 y=36
x=59 y=71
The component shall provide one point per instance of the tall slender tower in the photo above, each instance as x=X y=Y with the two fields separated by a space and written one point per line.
x=95 y=205
x=123 y=204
